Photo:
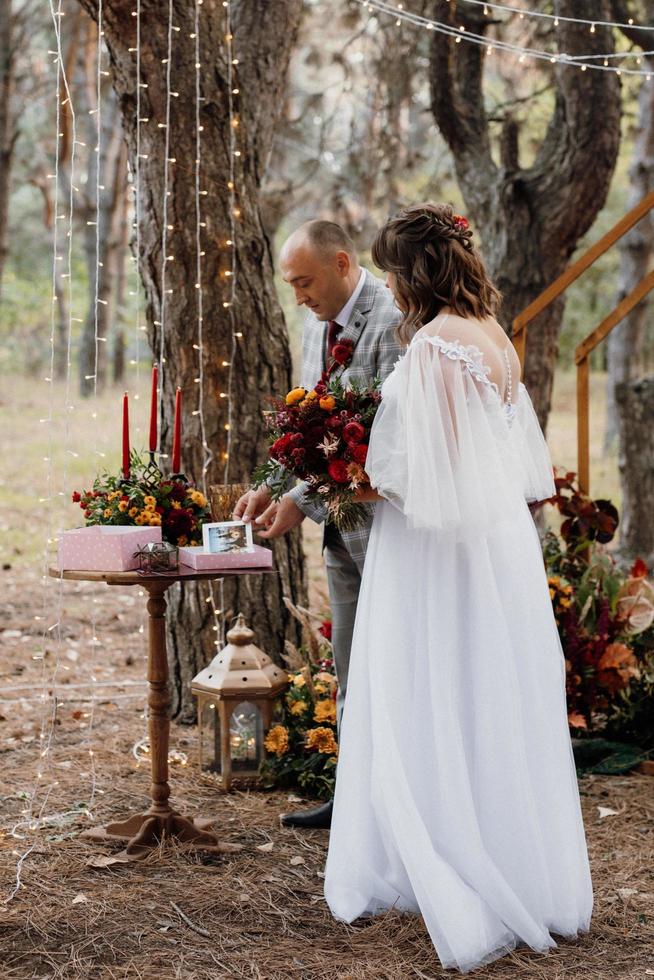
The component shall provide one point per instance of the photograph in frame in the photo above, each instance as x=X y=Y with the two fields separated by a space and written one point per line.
x=227 y=538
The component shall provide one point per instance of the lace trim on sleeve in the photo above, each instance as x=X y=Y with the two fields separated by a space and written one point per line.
x=473 y=358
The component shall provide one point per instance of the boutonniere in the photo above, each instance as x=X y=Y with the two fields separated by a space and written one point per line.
x=341 y=357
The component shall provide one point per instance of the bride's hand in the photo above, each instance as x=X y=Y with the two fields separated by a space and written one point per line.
x=366 y=495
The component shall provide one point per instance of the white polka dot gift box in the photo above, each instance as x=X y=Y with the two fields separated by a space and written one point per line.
x=104 y=548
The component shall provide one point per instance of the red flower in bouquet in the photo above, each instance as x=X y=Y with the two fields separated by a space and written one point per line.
x=338 y=471
x=281 y=446
x=359 y=454
x=353 y=433
x=638 y=569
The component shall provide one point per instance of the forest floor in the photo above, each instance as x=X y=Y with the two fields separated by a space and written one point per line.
x=258 y=913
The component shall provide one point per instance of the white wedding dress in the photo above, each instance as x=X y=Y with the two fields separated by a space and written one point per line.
x=456 y=792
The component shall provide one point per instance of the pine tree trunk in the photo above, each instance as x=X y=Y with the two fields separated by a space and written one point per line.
x=263 y=35
x=635 y=405
x=625 y=343
x=7 y=126
x=530 y=219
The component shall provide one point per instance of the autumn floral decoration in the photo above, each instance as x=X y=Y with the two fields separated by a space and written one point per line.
x=174 y=505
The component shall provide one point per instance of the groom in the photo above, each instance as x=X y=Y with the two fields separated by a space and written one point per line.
x=345 y=302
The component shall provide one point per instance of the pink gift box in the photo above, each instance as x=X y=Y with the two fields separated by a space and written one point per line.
x=199 y=559
x=104 y=547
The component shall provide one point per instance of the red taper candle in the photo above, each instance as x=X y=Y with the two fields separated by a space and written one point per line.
x=125 y=437
x=177 y=432
x=154 y=410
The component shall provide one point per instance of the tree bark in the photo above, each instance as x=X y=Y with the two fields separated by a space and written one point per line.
x=530 y=218
x=263 y=34
x=635 y=404
x=8 y=129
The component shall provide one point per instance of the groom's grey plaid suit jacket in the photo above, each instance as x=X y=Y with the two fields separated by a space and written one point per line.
x=371 y=328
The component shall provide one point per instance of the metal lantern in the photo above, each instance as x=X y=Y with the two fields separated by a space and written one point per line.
x=158 y=557
x=236 y=695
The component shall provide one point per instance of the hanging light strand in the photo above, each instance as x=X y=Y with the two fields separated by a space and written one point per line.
x=199 y=253
x=553 y=18
x=164 y=230
x=460 y=33
x=234 y=214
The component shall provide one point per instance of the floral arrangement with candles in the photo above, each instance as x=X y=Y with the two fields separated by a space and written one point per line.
x=321 y=436
x=301 y=745
x=605 y=618
x=141 y=495
x=172 y=504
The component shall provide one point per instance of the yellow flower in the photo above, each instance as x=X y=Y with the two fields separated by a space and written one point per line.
x=321 y=689
x=132 y=512
x=182 y=540
x=298 y=707
x=140 y=519
x=328 y=403
x=176 y=505
x=295 y=395
x=325 y=711
x=155 y=520
x=149 y=502
x=198 y=498
x=322 y=739
x=326 y=678
x=277 y=740
x=107 y=512
x=122 y=506
x=299 y=680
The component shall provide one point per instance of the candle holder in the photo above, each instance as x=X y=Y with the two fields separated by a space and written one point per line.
x=152 y=474
x=154 y=558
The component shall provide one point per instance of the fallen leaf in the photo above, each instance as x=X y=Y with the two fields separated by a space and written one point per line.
x=297 y=860
x=626 y=892
x=265 y=847
x=244 y=897
x=80 y=898
x=106 y=860
x=606 y=811
x=294 y=799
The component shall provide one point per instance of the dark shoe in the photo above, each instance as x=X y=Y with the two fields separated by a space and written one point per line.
x=319 y=817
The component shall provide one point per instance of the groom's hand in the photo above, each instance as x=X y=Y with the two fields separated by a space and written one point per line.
x=281 y=516
x=252 y=504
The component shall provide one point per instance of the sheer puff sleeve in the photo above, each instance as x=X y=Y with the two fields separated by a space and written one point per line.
x=444 y=448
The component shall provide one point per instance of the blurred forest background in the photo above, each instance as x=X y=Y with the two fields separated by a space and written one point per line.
x=356 y=138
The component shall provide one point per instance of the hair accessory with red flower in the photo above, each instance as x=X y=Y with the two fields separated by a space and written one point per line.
x=460 y=223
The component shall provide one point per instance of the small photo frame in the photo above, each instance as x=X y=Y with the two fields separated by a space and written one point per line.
x=227 y=538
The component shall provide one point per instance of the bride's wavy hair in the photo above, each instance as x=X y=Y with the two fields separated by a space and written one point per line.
x=429 y=249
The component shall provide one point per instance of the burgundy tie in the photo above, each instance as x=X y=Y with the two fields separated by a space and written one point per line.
x=333 y=331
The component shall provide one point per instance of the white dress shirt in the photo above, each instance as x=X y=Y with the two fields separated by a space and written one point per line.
x=345 y=314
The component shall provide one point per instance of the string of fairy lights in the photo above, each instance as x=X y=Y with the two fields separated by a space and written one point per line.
x=51 y=635
x=592 y=60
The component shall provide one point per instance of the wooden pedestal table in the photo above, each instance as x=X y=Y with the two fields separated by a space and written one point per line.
x=143 y=831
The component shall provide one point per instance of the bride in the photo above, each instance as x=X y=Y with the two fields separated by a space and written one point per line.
x=456 y=793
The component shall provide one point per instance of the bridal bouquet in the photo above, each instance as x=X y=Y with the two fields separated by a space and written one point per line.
x=321 y=436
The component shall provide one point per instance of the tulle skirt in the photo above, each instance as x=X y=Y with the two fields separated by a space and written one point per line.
x=456 y=793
